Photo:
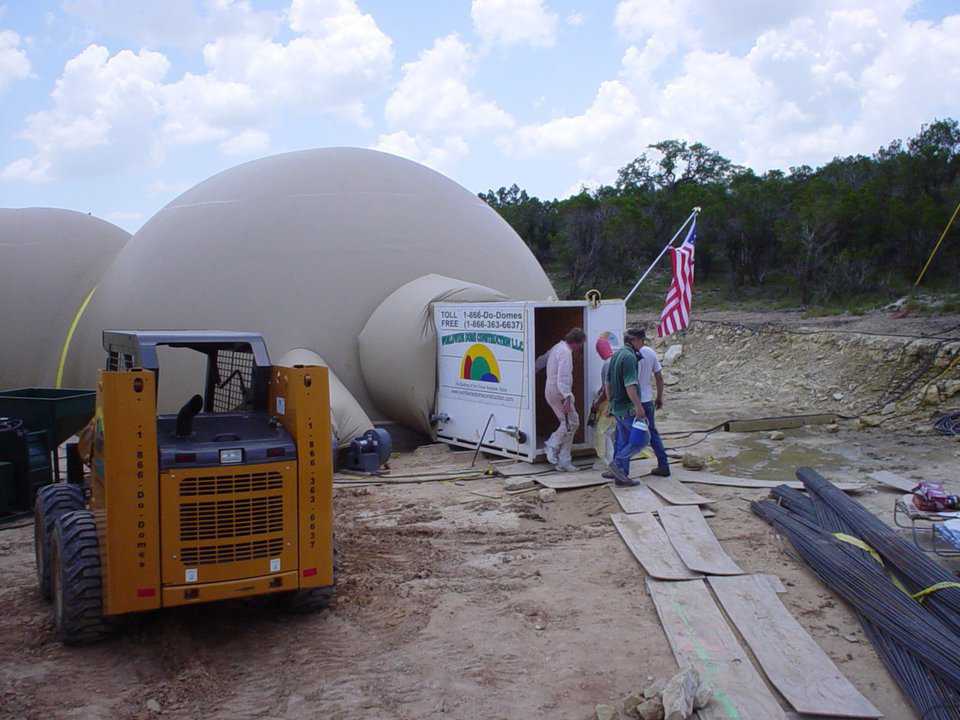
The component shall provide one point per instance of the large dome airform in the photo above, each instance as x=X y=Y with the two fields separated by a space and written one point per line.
x=303 y=247
x=50 y=259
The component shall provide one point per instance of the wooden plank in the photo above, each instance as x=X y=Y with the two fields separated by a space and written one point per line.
x=571 y=480
x=708 y=478
x=775 y=583
x=791 y=659
x=695 y=542
x=649 y=544
x=636 y=499
x=700 y=637
x=894 y=481
x=778 y=423
x=675 y=492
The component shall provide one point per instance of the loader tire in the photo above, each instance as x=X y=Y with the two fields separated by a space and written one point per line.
x=76 y=579
x=307 y=601
x=52 y=502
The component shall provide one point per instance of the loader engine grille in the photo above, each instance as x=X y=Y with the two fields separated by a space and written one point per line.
x=233 y=524
x=236 y=552
x=230 y=484
x=224 y=519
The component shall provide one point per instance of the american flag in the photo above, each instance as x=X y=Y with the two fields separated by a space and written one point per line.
x=676 y=313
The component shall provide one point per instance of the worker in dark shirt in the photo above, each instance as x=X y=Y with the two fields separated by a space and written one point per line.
x=625 y=404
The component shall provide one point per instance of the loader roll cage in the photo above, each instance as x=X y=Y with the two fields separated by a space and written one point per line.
x=238 y=366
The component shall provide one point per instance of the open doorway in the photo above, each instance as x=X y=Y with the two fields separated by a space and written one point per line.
x=551 y=324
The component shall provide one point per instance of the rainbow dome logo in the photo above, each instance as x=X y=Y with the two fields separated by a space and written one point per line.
x=479 y=364
x=611 y=337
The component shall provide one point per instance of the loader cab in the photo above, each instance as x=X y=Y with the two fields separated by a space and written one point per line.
x=229 y=423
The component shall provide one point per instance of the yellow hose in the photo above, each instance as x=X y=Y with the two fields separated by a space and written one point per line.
x=69 y=337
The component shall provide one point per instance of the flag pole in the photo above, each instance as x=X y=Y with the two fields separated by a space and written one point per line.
x=666 y=247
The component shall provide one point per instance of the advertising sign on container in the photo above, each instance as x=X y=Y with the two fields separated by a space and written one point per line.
x=481 y=354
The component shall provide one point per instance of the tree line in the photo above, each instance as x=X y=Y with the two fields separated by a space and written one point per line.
x=857 y=226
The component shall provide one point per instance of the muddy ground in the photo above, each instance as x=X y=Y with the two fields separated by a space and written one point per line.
x=455 y=601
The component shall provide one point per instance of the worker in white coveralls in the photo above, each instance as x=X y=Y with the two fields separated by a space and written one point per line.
x=558 y=393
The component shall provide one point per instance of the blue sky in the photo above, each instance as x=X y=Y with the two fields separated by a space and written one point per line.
x=115 y=106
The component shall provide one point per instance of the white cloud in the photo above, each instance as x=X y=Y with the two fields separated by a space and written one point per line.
x=341 y=57
x=109 y=112
x=441 y=157
x=14 y=64
x=433 y=93
x=812 y=80
x=574 y=19
x=514 y=22
x=170 y=23
x=248 y=142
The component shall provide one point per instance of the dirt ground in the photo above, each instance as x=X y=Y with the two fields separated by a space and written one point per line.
x=455 y=601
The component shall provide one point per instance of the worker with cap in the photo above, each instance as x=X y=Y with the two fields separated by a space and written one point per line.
x=633 y=405
x=603 y=423
x=558 y=392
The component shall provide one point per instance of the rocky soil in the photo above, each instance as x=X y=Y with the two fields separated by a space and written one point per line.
x=458 y=601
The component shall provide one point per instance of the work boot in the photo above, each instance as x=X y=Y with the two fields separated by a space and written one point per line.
x=551 y=454
x=620 y=477
x=567 y=466
x=661 y=471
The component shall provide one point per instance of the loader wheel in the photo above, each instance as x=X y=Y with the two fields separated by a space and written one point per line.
x=76 y=579
x=52 y=502
x=307 y=601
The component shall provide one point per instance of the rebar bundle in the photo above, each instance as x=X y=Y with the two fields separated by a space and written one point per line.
x=916 y=646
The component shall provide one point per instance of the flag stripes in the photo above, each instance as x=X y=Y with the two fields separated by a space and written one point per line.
x=676 y=311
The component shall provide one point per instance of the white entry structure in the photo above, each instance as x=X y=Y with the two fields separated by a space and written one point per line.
x=488 y=390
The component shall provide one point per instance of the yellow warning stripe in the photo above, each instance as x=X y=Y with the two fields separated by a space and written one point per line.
x=69 y=337
x=857 y=542
x=934 y=588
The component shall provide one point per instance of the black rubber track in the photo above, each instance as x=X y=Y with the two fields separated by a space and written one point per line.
x=77 y=583
x=52 y=502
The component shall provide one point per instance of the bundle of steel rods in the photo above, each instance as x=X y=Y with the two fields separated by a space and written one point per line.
x=916 y=647
x=911 y=563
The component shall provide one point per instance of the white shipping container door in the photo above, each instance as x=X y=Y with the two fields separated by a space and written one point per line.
x=608 y=319
x=483 y=376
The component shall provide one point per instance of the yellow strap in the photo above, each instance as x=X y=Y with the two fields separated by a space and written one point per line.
x=69 y=337
x=893 y=578
x=857 y=542
x=937 y=246
x=934 y=588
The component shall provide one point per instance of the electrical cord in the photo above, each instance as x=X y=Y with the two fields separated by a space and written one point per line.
x=948 y=424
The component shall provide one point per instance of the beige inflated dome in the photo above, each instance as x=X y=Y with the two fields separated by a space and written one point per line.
x=348 y=419
x=403 y=382
x=50 y=259
x=302 y=247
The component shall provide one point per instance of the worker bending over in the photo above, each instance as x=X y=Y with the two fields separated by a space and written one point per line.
x=631 y=398
x=558 y=393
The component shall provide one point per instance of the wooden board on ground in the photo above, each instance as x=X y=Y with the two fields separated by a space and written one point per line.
x=893 y=481
x=675 y=492
x=571 y=480
x=708 y=478
x=649 y=544
x=791 y=659
x=700 y=636
x=695 y=542
x=778 y=423
x=775 y=583
x=636 y=499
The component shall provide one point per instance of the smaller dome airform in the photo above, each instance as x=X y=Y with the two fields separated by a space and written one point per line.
x=50 y=260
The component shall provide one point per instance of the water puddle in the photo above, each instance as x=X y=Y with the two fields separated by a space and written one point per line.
x=754 y=456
